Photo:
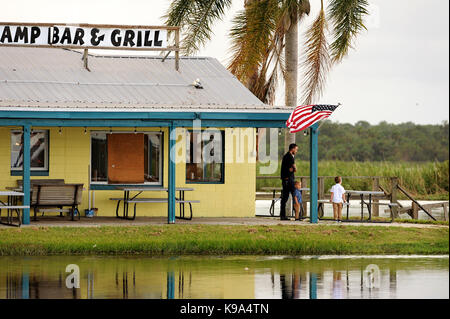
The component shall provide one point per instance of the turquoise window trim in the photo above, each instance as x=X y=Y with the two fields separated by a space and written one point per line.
x=114 y=187
x=216 y=183
x=32 y=173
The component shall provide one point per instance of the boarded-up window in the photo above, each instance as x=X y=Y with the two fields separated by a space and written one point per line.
x=126 y=158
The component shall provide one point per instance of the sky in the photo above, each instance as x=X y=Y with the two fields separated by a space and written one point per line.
x=397 y=72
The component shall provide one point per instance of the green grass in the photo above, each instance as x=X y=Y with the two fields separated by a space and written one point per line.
x=224 y=240
x=398 y=220
x=422 y=221
x=425 y=180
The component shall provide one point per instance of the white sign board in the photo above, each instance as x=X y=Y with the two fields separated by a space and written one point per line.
x=83 y=37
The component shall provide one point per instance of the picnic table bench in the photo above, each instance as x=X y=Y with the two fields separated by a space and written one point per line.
x=135 y=200
x=320 y=207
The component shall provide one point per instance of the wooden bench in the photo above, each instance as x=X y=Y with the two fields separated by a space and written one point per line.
x=54 y=197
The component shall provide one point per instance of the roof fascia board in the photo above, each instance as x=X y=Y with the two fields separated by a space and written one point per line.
x=168 y=116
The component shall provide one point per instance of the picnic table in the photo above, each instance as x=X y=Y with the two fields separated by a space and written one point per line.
x=370 y=195
x=12 y=206
x=274 y=191
x=136 y=200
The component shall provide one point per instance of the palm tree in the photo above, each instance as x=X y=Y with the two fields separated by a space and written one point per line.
x=265 y=30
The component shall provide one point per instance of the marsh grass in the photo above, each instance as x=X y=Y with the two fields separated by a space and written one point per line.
x=223 y=240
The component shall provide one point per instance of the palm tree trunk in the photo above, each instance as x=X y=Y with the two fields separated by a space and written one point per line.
x=290 y=95
x=291 y=60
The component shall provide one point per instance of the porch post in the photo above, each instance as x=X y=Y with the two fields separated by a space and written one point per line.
x=313 y=171
x=26 y=174
x=171 y=186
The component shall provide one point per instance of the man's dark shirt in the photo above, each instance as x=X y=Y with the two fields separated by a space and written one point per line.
x=286 y=164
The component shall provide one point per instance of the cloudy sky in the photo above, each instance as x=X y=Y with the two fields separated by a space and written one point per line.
x=398 y=72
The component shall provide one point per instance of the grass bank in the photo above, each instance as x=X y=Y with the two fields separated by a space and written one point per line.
x=425 y=180
x=224 y=240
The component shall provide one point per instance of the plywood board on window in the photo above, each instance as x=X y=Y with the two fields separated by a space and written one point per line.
x=126 y=158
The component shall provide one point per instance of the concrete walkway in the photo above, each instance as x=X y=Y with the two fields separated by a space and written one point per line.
x=52 y=221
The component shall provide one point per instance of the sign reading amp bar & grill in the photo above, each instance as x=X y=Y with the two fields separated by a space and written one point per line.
x=84 y=36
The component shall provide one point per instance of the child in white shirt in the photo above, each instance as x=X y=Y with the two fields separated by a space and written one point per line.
x=337 y=198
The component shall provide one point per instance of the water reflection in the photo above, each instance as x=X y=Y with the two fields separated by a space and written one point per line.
x=231 y=277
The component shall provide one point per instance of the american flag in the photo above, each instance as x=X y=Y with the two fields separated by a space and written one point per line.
x=306 y=115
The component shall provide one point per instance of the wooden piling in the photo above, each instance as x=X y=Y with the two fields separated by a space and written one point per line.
x=415 y=211
x=375 y=206
x=394 y=191
x=321 y=186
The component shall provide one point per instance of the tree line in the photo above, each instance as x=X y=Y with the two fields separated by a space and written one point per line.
x=382 y=142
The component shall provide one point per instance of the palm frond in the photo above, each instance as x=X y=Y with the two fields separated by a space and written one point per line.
x=258 y=41
x=316 y=60
x=251 y=34
x=262 y=85
x=347 y=18
x=178 y=12
x=196 y=17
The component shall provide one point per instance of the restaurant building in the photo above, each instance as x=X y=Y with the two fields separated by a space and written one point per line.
x=109 y=121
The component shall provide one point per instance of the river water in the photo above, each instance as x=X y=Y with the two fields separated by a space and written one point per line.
x=246 y=277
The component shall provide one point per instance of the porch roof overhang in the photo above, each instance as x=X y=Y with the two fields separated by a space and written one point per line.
x=142 y=117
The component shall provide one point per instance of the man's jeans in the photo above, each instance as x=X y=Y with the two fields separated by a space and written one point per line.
x=288 y=188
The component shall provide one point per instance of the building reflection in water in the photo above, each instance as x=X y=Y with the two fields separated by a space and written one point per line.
x=170 y=281
x=338 y=285
x=333 y=284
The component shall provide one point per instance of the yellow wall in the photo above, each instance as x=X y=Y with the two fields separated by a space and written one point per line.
x=69 y=158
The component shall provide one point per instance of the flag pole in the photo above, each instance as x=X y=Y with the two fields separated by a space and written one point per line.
x=324 y=121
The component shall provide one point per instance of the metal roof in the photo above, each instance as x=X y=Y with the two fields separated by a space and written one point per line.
x=55 y=79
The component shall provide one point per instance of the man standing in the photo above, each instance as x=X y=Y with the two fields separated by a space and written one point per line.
x=288 y=169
